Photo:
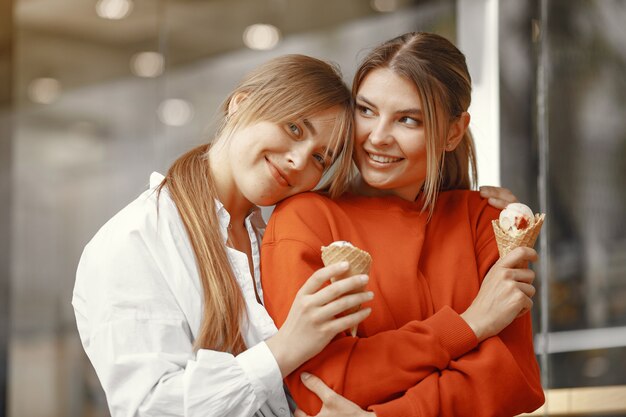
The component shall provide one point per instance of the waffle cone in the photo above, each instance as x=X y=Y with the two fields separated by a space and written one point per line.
x=507 y=243
x=359 y=261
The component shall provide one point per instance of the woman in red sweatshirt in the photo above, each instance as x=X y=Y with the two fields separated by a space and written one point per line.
x=449 y=333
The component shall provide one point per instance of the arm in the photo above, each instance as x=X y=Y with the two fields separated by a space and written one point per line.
x=500 y=377
x=453 y=392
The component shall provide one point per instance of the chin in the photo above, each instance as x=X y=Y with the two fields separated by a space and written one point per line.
x=265 y=199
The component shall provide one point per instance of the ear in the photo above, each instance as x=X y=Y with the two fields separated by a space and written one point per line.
x=456 y=131
x=235 y=102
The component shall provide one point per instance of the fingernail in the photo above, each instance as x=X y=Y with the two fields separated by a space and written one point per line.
x=364 y=278
x=370 y=295
x=305 y=375
x=344 y=264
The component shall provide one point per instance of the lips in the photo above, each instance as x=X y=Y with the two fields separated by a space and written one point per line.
x=278 y=174
x=382 y=159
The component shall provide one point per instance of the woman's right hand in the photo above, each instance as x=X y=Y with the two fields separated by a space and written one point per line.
x=312 y=321
x=505 y=294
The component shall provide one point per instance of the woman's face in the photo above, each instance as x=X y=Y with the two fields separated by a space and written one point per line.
x=270 y=161
x=390 y=143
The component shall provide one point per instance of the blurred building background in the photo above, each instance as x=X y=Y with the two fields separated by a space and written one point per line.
x=95 y=95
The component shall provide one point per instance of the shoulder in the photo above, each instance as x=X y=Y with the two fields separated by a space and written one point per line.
x=465 y=203
x=137 y=234
x=300 y=214
x=310 y=205
x=304 y=202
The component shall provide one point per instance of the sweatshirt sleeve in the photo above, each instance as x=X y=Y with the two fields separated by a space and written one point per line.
x=499 y=378
x=365 y=370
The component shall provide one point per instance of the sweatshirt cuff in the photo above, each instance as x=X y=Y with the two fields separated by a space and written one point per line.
x=259 y=364
x=454 y=334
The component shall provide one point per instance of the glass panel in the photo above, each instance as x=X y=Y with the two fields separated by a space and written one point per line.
x=580 y=323
x=586 y=189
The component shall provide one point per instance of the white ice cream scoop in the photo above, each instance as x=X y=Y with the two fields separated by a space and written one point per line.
x=516 y=218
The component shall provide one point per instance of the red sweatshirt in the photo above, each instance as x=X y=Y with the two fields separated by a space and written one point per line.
x=414 y=355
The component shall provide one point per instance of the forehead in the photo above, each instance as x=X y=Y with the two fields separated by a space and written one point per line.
x=322 y=120
x=382 y=86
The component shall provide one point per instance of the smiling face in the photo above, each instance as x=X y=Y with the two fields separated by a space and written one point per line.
x=271 y=161
x=390 y=141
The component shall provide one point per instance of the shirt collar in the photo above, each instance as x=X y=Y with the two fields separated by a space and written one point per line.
x=255 y=219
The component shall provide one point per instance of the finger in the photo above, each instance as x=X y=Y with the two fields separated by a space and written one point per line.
x=518 y=256
x=344 y=303
x=528 y=305
x=317 y=386
x=335 y=290
x=349 y=321
x=498 y=202
x=524 y=275
x=527 y=289
x=498 y=193
x=300 y=413
x=526 y=309
x=323 y=275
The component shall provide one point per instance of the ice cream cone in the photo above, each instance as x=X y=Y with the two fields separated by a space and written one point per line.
x=358 y=259
x=506 y=243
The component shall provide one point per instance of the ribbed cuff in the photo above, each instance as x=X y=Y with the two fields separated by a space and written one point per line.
x=455 y=335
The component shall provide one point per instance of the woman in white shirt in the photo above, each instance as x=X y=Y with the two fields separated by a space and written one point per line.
x=167 y=297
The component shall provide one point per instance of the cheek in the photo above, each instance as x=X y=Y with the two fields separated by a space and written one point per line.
x=310 y=180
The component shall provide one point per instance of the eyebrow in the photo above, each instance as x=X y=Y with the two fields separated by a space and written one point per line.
x=403 y=111
x=309 y=126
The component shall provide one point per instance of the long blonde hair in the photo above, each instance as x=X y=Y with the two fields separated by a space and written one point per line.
x=279 y=91
x=439 y=72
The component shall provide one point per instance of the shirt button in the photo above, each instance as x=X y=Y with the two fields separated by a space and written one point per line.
x=282 y=411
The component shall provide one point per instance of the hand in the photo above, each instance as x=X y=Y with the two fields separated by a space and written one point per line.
x=498 y=197
x=505 y=293
x=312 y=321
x=334 y=405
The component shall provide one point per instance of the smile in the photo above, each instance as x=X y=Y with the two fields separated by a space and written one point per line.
x=383 y=159
x=280 y=177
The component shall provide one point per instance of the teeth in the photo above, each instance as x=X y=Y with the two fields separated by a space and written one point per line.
x=383 y=159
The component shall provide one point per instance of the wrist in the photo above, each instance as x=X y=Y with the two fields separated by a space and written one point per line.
x=474 y=324
x=282 y=355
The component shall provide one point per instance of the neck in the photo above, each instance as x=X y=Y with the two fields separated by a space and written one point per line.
x=228 y=193
x=360 y=187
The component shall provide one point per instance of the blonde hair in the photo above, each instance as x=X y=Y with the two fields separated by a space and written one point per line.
x=439 y=72
x=282 y=90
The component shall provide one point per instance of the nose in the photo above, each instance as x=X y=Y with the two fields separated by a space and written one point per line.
x=297 y=157
x=380 y=134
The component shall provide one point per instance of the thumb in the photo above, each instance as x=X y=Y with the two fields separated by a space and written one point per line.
x=317 y=386
x=518 y=257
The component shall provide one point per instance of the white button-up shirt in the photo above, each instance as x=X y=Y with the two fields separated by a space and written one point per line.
x=138 y=304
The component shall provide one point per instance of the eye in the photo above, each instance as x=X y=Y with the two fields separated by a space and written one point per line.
x=410 y=121
x=364 y=110
x=294 y=129
x=321 y=159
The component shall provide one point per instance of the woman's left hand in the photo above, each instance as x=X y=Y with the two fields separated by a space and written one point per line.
x=499 y=197
x=334 y=405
